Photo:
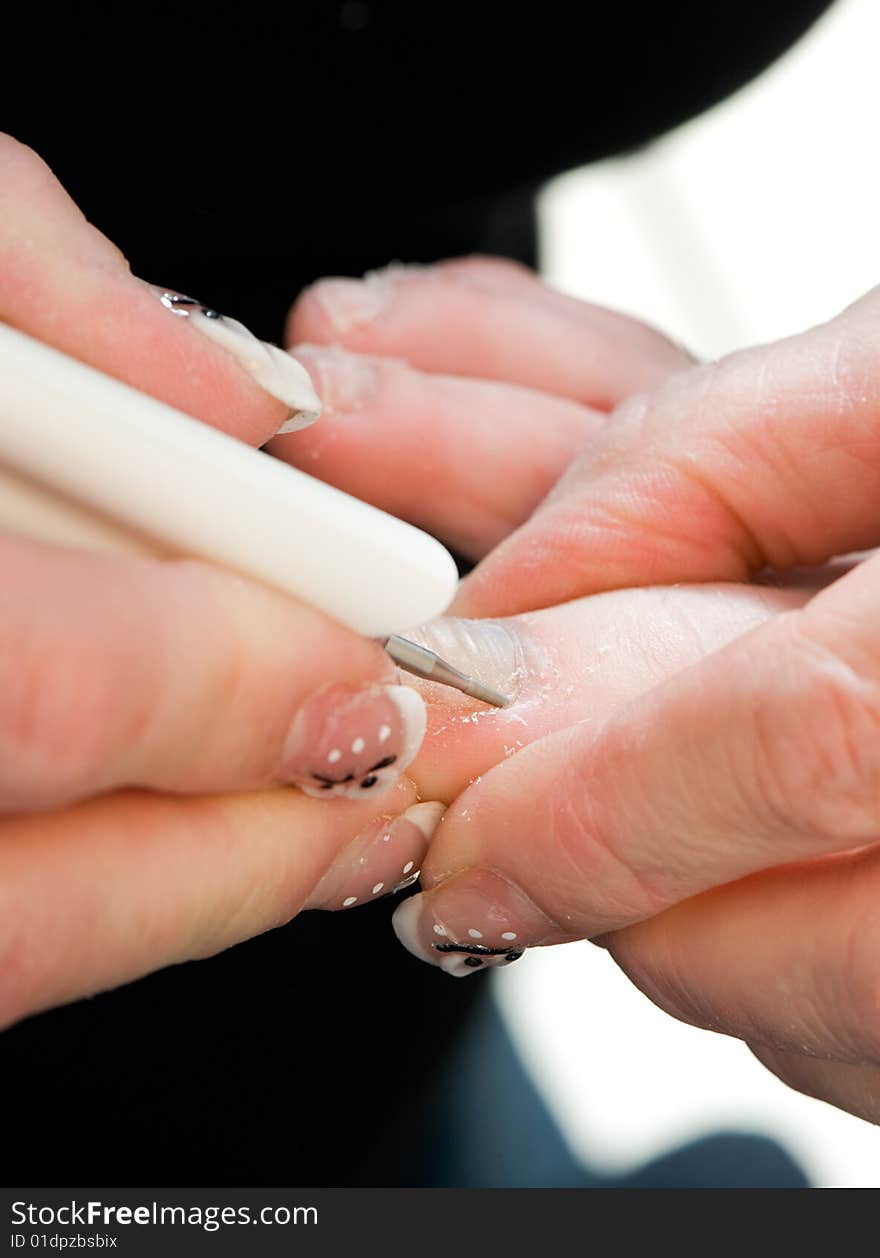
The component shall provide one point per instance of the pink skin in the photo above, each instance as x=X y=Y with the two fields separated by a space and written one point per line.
x=767 y=458
x=175 y=676
x=121 y=672
x=436 y=428
x=575 y=350
x=575 y=663
x=573 y=666
x=709 y=473
x=61 y=282
x=111 y=678
x=581 y=824
x=488 y=368
x=158 y=879
x=64 y=283
x=99 y=894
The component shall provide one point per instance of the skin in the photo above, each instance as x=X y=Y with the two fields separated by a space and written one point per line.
x=146 y=702
x=715 y=832
x=161 y=873
x=142 y=819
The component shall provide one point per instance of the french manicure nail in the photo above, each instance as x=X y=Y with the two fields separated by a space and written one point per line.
x=386 y=858
x=273 y=369
x=353 y=741
x=473 y=921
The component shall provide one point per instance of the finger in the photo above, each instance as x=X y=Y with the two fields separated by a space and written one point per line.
x=468 y=460
x=64 y=283
x=180 y=677
x=788 y=959
x=762 y=753
x=505 y=277
x=464 y=320
x=769 y=458
x=121 y=670
x=116 y=887
x=582 y=662
x=855 y=1089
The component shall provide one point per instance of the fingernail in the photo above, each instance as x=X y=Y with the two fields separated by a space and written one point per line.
x=473 y=921
x=345 y=381
x=274 y=369
x=350 y=304
x=353 y=741
x=488 y=649
x=386 y=858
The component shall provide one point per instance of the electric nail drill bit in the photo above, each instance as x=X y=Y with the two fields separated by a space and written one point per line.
x=428 y=664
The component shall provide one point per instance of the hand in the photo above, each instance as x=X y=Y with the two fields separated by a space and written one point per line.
x=140 y=700
x=457 y=395
x=135 y=691
x=762 y=755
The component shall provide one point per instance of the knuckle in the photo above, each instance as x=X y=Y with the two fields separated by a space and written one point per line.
x=817 y=745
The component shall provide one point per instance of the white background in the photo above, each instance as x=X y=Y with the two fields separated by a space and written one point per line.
x=752 y=222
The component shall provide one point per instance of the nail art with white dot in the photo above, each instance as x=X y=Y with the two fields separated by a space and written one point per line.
x=353 y=741
x=470 y=921
x=459 y=955
x=385 y=858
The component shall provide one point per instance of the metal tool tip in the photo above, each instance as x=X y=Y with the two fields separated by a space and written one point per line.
x=479 y=690
x=423 y=662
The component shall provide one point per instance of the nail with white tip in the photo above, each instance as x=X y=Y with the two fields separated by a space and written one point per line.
x=353 y=741
x=384 y=859
x=274 y=370
x=472 y=921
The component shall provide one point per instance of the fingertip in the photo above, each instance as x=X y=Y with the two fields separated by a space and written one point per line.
x=343 y=309
x=405 y=923
x=475 y=920
x=306 y=322
x=344 y=381
x=467 y=602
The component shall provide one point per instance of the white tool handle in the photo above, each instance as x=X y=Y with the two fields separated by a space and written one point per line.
x=88 y=461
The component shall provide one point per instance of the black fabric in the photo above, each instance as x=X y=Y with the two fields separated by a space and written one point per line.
x=262 y=131
x=420 y=132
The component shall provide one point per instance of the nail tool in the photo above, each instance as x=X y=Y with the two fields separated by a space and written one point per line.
x=422 y=662
x=87 y=461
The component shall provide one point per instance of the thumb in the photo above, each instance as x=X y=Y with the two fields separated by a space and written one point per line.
x=762 y=753
x=768 y=458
